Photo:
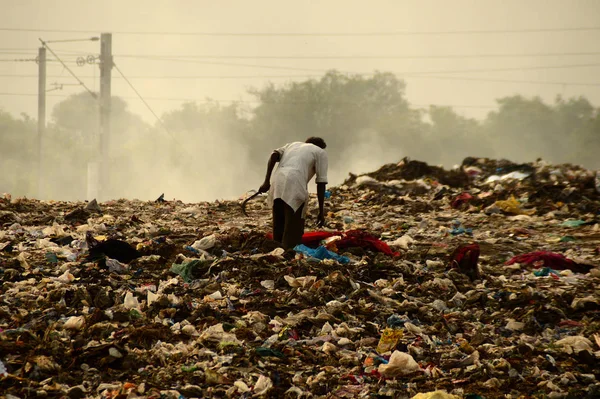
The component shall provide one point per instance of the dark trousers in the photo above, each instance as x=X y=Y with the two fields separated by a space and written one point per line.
x=288 y=226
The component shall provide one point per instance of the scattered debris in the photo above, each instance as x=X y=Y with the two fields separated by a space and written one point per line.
x=485 y=297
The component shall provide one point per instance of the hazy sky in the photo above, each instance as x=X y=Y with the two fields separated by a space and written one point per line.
x=189 y=74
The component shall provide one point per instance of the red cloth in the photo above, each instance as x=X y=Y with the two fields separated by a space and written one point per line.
x=461 y=200
x=551 y=260
x=351 y=238
x=360 y=238
x=465 y=258
x=313 y=237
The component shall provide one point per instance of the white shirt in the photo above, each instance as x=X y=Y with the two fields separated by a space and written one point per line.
x=298 y=163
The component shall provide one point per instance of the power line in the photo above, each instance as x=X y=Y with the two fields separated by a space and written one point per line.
x=29 y=60
x=194 y=61
x=412 y=72
x=69 y=70
x=243 y=102
x=359 y=56
x=405 y=76
x=464 y=78
x=145 y=103
x=34 y=51
x=235 y=64
x=18 y=60
x=323 y=57
x=166 y=77
x=302 y=34
x=355 y=73
x=503 y=69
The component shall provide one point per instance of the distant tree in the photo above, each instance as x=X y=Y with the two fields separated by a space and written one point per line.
x=202 y=120
x=455 y=137
x=18 y=151
x=524 y=129
x=72 y=142
x=207 y=151
x=356 y=115
x=77 y=119
x=205 y=147
x=200 y=129
x=577 y=125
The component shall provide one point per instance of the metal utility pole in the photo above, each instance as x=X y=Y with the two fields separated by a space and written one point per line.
x=41 y=116
x=106 y=65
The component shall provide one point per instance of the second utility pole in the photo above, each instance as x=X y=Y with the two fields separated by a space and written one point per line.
x=106 y=65
x=41 y=117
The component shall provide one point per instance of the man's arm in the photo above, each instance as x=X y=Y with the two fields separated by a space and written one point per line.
x=321 y=197
x=273 y=159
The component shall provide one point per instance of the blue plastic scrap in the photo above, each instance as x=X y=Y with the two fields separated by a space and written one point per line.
x=458 y=229
x=320 y=253
x=396 y=321
x=545 y=271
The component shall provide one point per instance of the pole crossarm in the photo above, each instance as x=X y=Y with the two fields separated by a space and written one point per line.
x=45 y=44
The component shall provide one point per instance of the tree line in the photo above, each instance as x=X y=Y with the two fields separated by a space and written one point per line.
x=209 y=151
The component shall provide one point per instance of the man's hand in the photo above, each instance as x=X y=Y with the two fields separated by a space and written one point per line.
x=265 y=187
x=321 y=220
x=273 y=159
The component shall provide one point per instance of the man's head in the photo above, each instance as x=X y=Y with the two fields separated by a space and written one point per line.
x=319 y=142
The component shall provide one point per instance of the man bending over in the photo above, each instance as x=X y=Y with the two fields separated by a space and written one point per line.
x=288 y=191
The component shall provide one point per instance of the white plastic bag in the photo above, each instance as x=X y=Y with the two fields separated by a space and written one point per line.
x=131 y=301
x=400 y=364
x=575 y=344
x=403 y=242
x=205 y=242
x=435 y=395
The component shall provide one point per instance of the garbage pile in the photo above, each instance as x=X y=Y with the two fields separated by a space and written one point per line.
x=478 y=282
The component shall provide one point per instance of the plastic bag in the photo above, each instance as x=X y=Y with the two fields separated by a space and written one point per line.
x=262 y=386
x=389 y=339
x=513 y=206
x=131 y=301
x=435 y=395
x=400 y=363
x=205 y=242
x=300 y=282
x=320 y=253
x=402 y=242
x=217 y=334
x=74 y=323
x=189 y=270
x=575 y=344
x=115 y=266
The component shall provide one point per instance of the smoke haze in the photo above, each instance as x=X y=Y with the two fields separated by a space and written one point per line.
x=231 y=81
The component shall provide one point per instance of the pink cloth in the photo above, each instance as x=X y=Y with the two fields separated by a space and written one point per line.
x=549 y=259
